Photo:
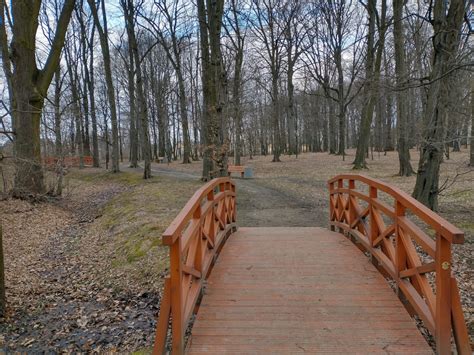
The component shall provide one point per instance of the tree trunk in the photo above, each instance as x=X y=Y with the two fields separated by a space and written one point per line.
x=183 y=109
x=73 y=78
x=446 y=27
x=276 y=145
x=372 y=77
x=292 y=149
x=132 y=109
x=104 y=43
x=213 y=84
x=236 y=96
x=401 y=78
x=137 y=69
x=57 y=113
x=29 y=87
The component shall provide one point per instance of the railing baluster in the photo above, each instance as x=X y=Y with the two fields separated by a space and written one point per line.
x=442 y=309
x=373 y=224
x=177 y=306
x=400 y=252
x=352 y=215
x=443 y=295
x=331 y=205
x=198 y=251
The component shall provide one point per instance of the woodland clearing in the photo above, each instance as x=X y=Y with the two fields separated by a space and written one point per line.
x=84 y=273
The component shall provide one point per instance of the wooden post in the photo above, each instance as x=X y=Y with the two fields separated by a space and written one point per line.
x=443 y=295
x=163 y=319
x=373 y=225
x=331 y=207
x=177 y=326
x=234 y=204
x=198 y=260
x=400 y=252
x=212 y=228
x=340 y=185
x=352 y=212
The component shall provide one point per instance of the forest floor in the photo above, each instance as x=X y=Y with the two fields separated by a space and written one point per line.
x=84 y=273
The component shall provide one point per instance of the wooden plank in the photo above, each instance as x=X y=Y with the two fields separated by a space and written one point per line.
x=289 y=290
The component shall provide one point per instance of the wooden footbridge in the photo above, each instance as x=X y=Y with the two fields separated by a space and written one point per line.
x=295 y=290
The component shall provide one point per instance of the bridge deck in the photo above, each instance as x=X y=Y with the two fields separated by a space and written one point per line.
x=294 y=290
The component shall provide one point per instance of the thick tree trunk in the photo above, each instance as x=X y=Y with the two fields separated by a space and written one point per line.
x=445 y=44
x=401 y=77
x=29 y=86
x=213 y=83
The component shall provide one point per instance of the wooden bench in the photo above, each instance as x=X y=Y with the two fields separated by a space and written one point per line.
x=236 y=169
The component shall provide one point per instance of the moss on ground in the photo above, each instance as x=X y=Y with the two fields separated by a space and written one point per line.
x=100 y=175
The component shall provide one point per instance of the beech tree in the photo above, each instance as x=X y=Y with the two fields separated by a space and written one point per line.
x=28 y=85
x=104 y=44
x=446 y=22
x=214 y=87
x=405 y=168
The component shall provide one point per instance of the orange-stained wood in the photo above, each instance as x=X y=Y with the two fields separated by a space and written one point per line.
x=398 y=251
x=291 y=290
x=195 y=237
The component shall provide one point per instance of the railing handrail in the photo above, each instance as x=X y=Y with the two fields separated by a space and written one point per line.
x=394 y=250
x=447 y=230
x=183 y=217
x=195 y=238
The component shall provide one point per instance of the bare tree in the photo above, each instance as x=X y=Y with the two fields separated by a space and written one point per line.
x=104 y=43
x=402 y=78
x=335 y=31
x=29 y=85
x=172 y=29
x=270 y=30
x=236 y=29
x=129 y=12
x=214 y=87
x=446 y=22
x=372 y=86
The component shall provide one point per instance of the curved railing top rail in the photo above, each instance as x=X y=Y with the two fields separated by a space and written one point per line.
x=445 y=228
x=195 y=238
x=179 y=223
x=420 y=265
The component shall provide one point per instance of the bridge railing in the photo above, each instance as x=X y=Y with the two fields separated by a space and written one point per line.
x=389 y=224
x=195 y=238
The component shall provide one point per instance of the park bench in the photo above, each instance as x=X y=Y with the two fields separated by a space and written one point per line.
x=236 y=169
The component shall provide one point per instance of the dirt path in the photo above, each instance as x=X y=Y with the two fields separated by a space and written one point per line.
x=261 y=205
